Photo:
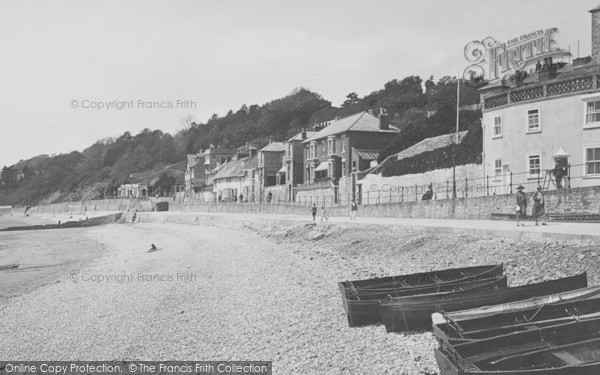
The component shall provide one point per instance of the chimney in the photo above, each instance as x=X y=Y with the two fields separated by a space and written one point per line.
x=303 y=134
x=384 y=120
x=595 y=31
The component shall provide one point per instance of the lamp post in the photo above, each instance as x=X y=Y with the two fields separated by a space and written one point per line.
x=456 y=140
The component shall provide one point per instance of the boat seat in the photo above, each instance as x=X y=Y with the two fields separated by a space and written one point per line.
x=566 y=357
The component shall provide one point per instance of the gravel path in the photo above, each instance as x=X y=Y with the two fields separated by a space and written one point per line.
x=251 y=299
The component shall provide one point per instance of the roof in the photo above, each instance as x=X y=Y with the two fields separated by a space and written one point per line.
x=298 y=137
x=596 y=9
x=234 y=168
x=360 y=122
x=252 y=163
x=191 y=160
x=322 y=167
x=274 y=147
x=366 y=154
x=429 y=144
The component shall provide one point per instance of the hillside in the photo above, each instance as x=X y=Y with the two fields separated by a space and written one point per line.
x=420 y=109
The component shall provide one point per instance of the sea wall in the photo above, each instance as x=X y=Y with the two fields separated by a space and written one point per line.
x=576 y=200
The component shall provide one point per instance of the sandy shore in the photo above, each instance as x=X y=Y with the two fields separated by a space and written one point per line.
x=248 y=293
x=42 y=256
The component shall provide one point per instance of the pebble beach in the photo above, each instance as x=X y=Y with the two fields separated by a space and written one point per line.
x=247 y=292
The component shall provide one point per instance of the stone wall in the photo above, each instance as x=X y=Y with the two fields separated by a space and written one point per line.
x=95 y=205
x=576 y=200
x=278 y=193
x=315 y=196
x=376 y=189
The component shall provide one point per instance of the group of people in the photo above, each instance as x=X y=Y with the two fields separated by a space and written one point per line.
x=313 y=211
x=538 y=211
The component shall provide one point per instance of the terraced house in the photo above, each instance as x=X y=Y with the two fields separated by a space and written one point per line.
x=237 y=176
x=346 y=144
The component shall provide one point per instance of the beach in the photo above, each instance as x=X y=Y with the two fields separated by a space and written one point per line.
x=241 y=292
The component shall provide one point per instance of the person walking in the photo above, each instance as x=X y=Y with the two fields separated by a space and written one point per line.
x=323 y=214
x=353 y=210
x=313 y=211
x=539 y=206
x=521 y=208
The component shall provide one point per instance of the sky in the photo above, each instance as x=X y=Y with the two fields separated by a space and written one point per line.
x=68 y=66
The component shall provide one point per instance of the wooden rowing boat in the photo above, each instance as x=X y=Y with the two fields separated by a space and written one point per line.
x=453 y=332
x=483 y=311
x=564 y=349
x=362 y=312
x=355 y=288
x=414 y=312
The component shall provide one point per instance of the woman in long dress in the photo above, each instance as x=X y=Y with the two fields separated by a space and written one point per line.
x=539 y=205
x=521 y=211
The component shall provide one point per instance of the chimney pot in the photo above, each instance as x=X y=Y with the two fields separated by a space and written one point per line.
x=384 y=120
x=595 y=31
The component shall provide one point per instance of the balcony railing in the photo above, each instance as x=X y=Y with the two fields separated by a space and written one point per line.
x=315 y=185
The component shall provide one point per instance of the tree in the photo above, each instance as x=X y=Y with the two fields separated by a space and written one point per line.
x=165 y=182
x=351 y=99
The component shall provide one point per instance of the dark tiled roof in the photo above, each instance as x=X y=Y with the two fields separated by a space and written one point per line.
x=298 y=137
x=274 y=147
x=360 y=122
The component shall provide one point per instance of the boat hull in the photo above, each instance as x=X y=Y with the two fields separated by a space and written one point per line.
x=414 y=312
x=365 y=312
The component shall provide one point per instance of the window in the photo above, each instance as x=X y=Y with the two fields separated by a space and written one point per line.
x=533 y=120
x=497 y=126
x=343 y=145
x=329 y=146
x=333 y=142
x=343 y=168
x=534 y=165
x=592 y=112
x=592 y=161
x=323 y=148
x=498 y=169
x=313 y=153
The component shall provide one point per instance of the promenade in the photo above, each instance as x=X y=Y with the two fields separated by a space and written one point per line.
x=502 y=228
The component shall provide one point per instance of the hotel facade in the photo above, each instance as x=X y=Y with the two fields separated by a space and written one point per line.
x=544 y=123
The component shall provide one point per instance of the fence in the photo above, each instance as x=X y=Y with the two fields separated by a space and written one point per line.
x=378 y=193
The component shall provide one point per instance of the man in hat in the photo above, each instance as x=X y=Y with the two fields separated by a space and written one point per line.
x=521 y=207
x=539 y=205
